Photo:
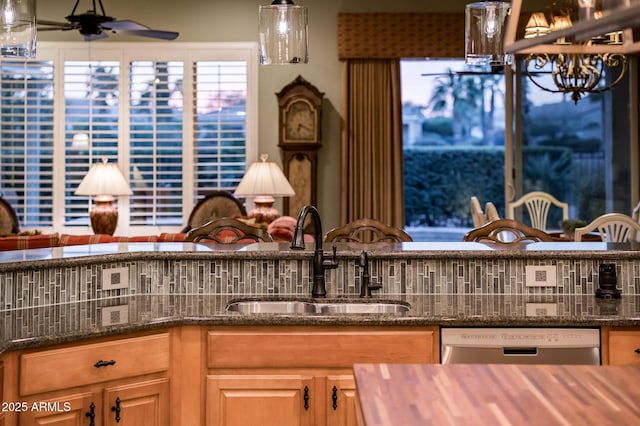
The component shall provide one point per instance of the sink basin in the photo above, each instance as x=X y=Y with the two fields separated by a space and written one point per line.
x=322 y=308
x=272 y=307
x=363 y=308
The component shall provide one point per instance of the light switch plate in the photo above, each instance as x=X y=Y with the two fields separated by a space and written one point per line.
x=115 y=278
x=540 y=276
x=541 y=310
x=114 y=315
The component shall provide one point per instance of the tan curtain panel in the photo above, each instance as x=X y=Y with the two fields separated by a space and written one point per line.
x=371 y=167
x=400 y=35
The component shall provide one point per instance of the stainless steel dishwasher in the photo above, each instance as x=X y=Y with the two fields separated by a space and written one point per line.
x=520 y=345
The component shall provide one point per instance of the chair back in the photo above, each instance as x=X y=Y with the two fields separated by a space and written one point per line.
x=613 y=228
x=506 y=231
x=477 y=215
x=8 y=219
x=537 y=204
x=491 y=212
x=215 y=205
x=367 y=231
x=227 y=231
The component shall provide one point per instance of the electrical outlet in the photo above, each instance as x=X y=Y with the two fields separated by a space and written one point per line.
x=540 y=276
x=114 y=315
x=115 y=278
x=541 y=310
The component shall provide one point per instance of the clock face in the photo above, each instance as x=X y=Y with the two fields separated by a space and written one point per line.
x=300 y=122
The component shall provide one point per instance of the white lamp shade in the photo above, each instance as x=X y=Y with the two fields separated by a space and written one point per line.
x=264 y=178
x=104 y=179
x=283 y=33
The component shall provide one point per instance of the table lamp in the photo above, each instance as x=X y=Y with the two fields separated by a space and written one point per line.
x=104 y=180
x=264 y=180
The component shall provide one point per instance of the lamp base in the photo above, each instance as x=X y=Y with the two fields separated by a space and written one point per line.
x=264 y=213
x=104 y=217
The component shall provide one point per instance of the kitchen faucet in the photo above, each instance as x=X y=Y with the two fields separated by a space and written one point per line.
x=319 y=263
x=365 y=278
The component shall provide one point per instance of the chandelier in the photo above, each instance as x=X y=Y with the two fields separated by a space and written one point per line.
x=574 y=73
x=583 y=44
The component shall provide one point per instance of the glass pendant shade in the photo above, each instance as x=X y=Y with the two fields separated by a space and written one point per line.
x=485 y=24
x=283 y=33
x=18 y=28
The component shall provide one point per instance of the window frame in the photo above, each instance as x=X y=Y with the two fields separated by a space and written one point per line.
x=125 y=52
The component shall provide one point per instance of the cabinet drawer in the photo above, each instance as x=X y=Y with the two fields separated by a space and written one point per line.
x=316 y=347
x=624 y=347
x=80 y=365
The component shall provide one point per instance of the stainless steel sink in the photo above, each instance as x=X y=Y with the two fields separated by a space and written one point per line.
x=322 y=308
x=271 y=307
x=363 y=308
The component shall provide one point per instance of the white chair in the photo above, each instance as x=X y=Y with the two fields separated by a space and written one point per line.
x=537 y=204
x=479 y=217
x=613 y=228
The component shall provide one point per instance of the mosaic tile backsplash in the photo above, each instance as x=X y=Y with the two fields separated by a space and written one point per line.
x=242 y=277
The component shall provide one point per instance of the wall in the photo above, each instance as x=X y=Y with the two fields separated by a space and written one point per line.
x=237 y=20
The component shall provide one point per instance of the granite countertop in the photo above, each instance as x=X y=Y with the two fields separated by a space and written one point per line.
x=125 y=251
x=61 y=323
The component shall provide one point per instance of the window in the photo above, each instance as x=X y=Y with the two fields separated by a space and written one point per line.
x=454 y=148
x=178 y=118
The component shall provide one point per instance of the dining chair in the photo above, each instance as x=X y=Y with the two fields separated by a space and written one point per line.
x=506 y=231
x=228 y=230
x=214 y=205
x=367 y=231
x=613 y=228
x=477 y=215
x=537 y=204
x=8 y=219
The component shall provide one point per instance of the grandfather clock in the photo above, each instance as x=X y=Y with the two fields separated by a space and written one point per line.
x=300 y=121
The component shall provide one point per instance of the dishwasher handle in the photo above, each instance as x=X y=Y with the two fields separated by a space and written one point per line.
x=520 y=351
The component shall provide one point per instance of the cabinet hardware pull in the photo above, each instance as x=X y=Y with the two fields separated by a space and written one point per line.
x=334 y=397
x=637 y=351
x=117 y=410
x=306 y=397
x=102 y=363
x=91 y=414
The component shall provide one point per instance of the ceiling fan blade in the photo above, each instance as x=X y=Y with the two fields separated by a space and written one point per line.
x=163 y=35
x=122 y=25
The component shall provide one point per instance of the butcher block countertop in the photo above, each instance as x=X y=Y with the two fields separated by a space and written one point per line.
x=492 y=394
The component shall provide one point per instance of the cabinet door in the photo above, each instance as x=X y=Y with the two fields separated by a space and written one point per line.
x=341 y=401
x=624 y=347
x=137 y=404
x=68 y=410
x=265 y=400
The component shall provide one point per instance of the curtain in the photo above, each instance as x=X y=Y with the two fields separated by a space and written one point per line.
x=371 y=145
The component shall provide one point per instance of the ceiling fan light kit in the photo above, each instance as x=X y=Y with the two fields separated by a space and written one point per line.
x=18 y=31
x=95 y=24
x=282 y=34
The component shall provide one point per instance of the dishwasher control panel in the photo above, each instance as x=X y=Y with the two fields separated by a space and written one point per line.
x=540 y=345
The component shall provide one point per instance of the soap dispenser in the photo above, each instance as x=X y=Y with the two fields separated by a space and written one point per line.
x=608 y=281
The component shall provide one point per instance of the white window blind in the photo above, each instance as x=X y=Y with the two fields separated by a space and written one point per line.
x=91 y=93
x=26 y=140
x=220 y=110
x=179 y=119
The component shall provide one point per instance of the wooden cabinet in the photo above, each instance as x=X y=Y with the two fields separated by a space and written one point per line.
x=116 y=382
x=624 y=346
x=300 y=375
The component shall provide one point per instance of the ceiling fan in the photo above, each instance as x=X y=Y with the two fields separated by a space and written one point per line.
x=94 y=26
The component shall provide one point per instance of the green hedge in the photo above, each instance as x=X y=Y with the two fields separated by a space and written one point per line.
x=439 y=181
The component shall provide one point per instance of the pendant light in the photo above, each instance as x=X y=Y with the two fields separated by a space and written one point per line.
x=283 y=33
x=484 y=25
x=18 y=28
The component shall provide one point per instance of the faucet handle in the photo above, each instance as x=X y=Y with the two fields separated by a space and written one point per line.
x=333 y=262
